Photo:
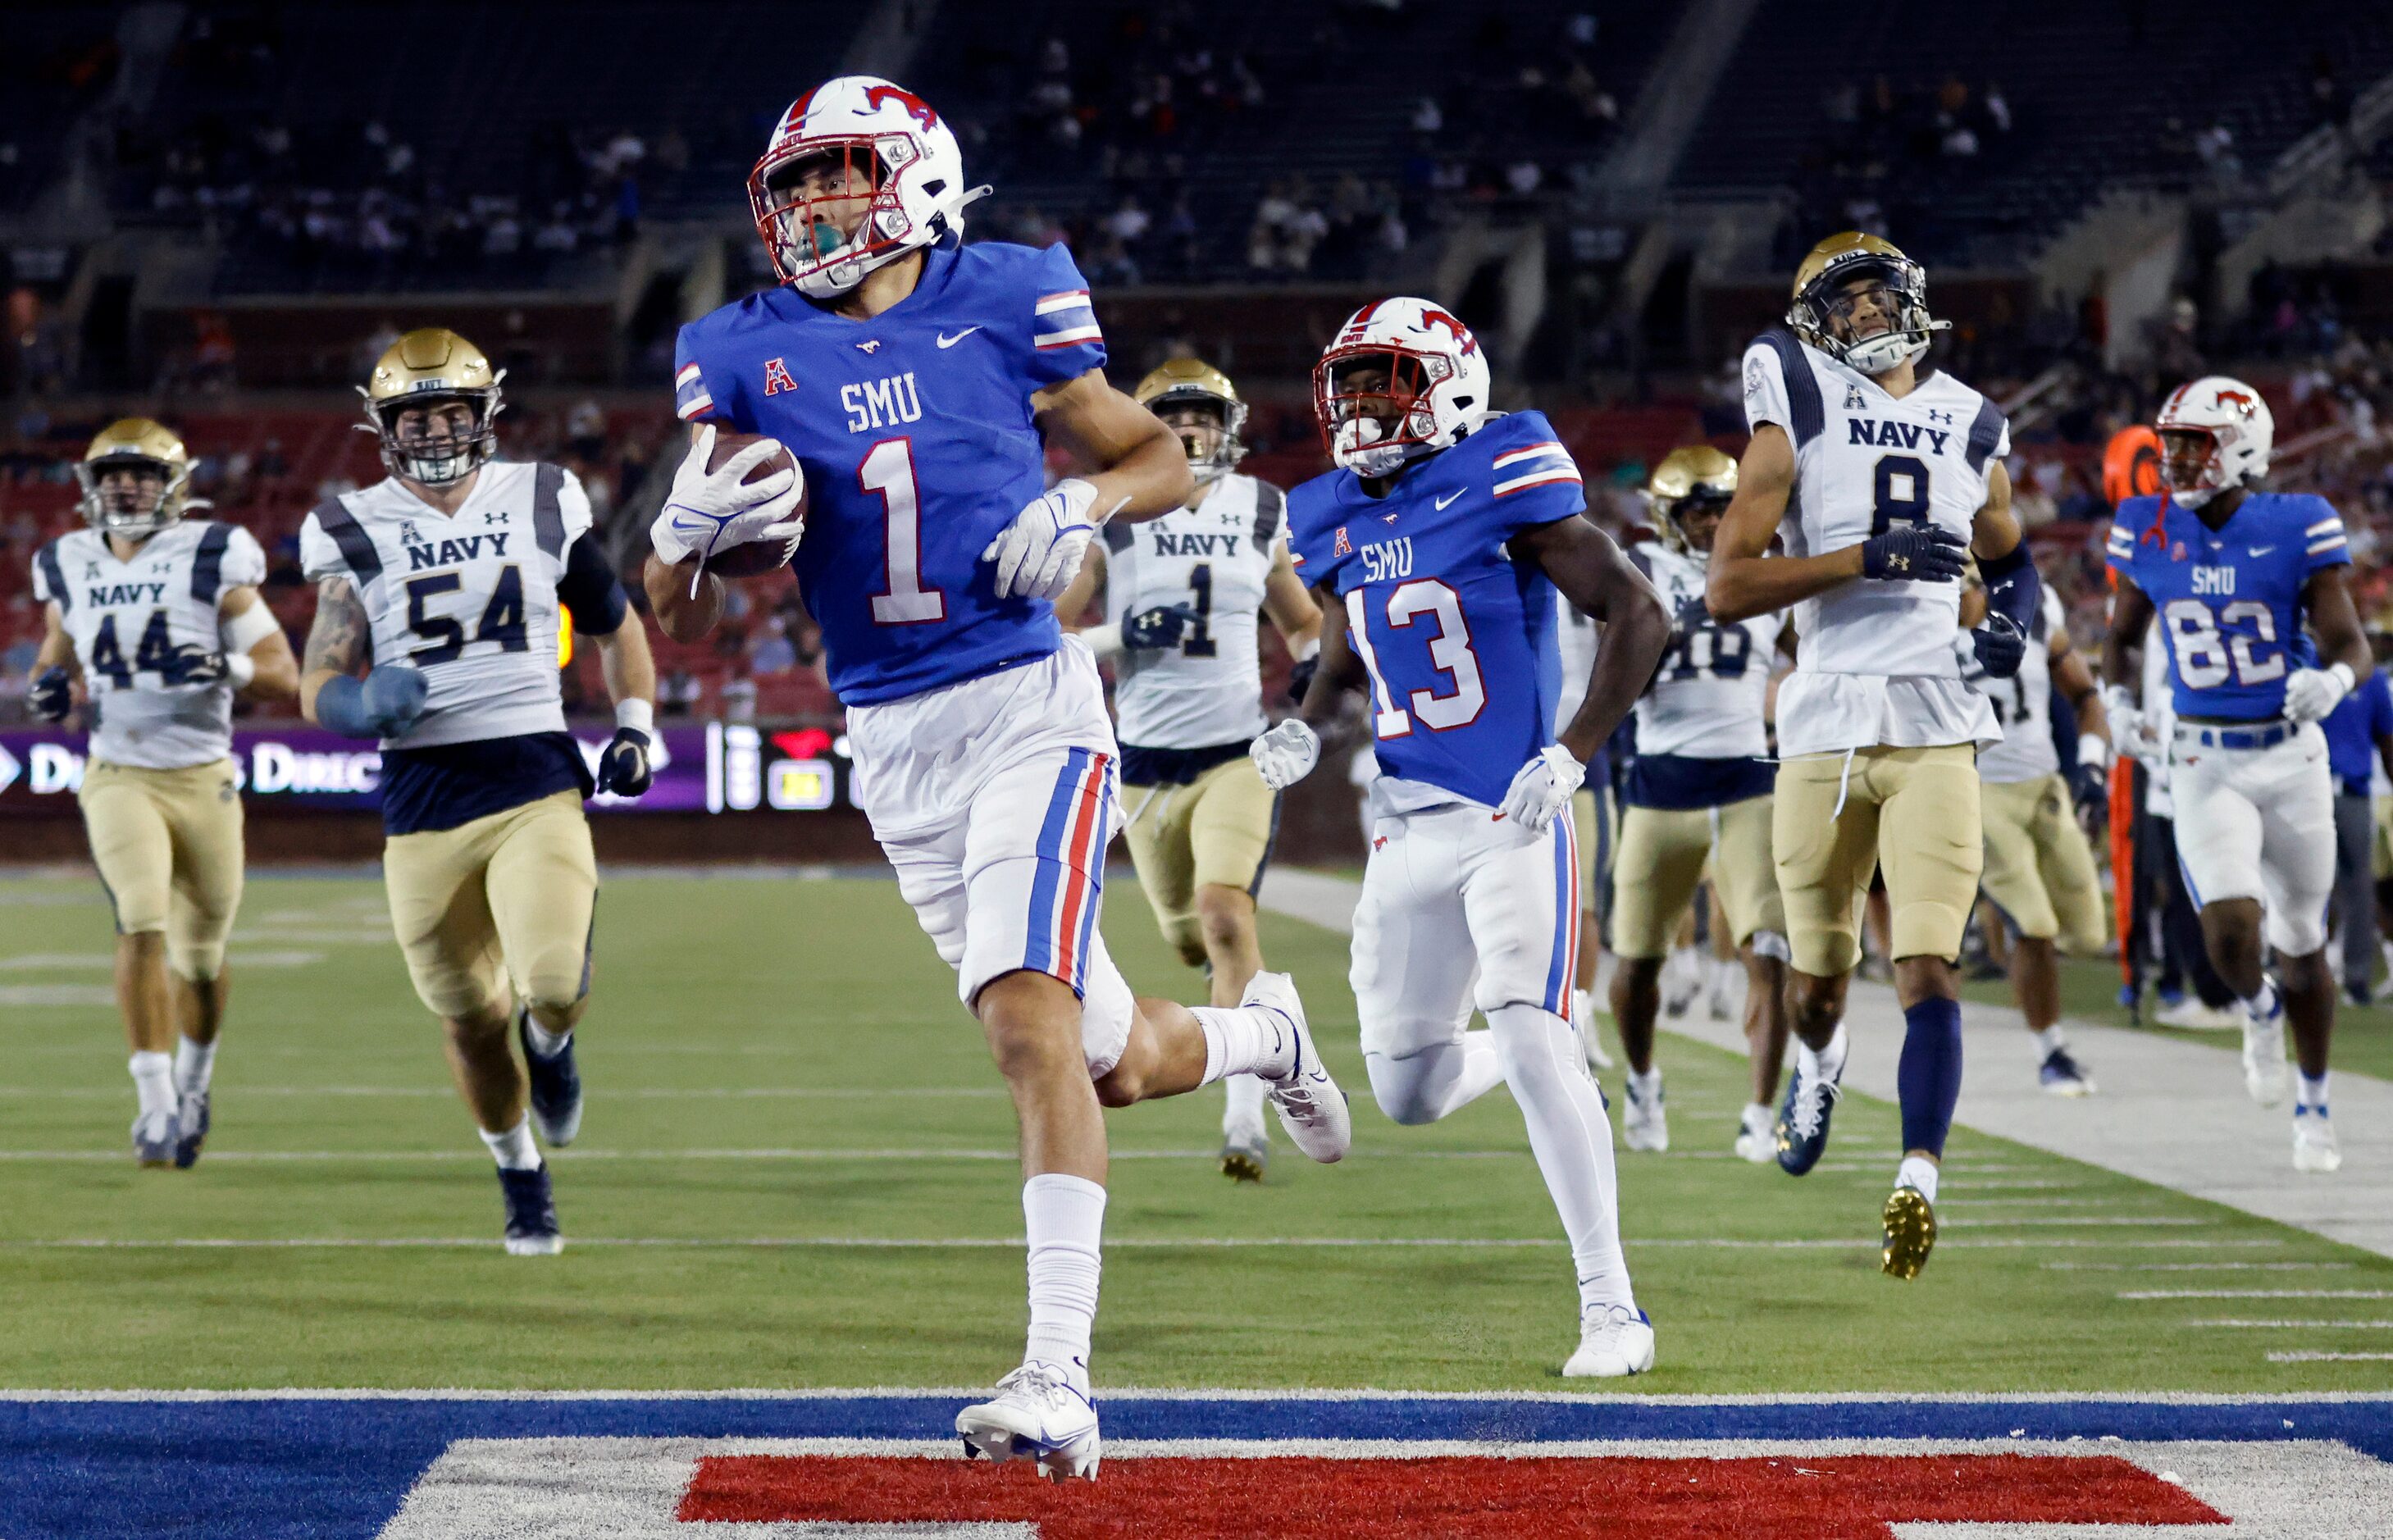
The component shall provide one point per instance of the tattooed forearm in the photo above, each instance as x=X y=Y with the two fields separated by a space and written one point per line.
x=340 y=639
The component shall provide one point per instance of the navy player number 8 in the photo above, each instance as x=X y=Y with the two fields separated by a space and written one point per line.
x=2208 y=654
x=1449 y=653
x=1898 y=490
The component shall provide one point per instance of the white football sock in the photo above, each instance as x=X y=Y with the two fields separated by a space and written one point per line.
x=1243 y=1039
x=514 y=1149
x=194 y=1063
x=1424 y=1087
x=1920 y=1172
x=2313 y=1092
x=547 y=1044
x=2051 y=1040
x=1825 y=1062
x=1647 y=1083
x=2263 y=1003
x=1572 y=1141
x=1759 y=1115
x=1065 y=1217
x=154 y=1081
x=1243 y=1107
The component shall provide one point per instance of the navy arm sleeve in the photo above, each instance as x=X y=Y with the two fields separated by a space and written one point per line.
x=591 y=590
x=2013 y=588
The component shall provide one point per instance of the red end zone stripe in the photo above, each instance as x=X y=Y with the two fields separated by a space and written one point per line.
x=1627 y=1498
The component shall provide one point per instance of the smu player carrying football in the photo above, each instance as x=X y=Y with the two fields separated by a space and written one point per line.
x=161 y=617
x=1441 y=538
x=917 y=382
x=448 y=580
x=2233 y=573
x=1881 y=479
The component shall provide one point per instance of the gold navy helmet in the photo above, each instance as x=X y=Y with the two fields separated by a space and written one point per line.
x=1695 y=476
x=427 y=368
x=1190 y=382
x=1821 y=310
x=155 y=495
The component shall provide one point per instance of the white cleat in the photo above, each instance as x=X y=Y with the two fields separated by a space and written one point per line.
x=2314 y=1149
x=1643 y=1123
x=1614 y=1342
x=1722 y=997
x=1582 y=1017
x=1036 y=1415
x=1682 y=981
x=1311 y=1106
x=2264 y=1056
x=2191 y=1016
x=1757 y=1136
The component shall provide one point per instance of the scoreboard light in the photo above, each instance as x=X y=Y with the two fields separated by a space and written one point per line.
x=564 y=636
x=801 y=786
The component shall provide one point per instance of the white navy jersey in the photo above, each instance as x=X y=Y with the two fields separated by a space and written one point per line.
x=1875 y=664
x=126 y=619
x=1708 y=701
x=469 y=598
x=1574 y=638
x=2023 y=703
x=1215 y=558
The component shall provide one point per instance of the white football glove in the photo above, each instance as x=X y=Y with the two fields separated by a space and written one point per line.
x=2131 y=733
x=2310 y=694
x=1543 y=787
x=1039 y=553
x=709 y=512
x=1286 y=755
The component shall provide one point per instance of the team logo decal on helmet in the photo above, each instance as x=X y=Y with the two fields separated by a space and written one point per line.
x=859 y=173
x=1402 y=379
x=2235 y=422
x=429 y=368
x=155 y=492
x=1821 y=312
x=1689 y=479
x=1183 y=383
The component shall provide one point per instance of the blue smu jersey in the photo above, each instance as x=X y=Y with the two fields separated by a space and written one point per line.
x=1459 y=638
x=2229 y=600
x=914 y=431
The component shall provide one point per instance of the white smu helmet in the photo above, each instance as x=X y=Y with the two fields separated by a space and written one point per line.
x=1435 y=380
x=889 y=139
x=2236 y=419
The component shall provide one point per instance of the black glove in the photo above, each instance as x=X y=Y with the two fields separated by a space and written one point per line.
x=1918 y=553
x=1999 y=644
x=1157 y=629
x=193 y=664
x=623 y=767
x=51 y=698
x=1299 y=678
x=2089 y=787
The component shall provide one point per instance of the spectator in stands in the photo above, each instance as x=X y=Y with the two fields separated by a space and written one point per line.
x=678 y=692
x=739 y=696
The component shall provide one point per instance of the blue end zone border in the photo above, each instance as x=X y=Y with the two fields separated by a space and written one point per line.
x=283 y=1467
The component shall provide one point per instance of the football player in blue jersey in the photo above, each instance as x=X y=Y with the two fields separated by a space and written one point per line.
x=918 y=384
x=2233 y=573
x=1441 y=539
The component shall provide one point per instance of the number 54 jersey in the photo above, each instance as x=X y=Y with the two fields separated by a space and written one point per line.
x=1875 y=664
x=1459 y=638
x=2230 y=599
x=914 y=432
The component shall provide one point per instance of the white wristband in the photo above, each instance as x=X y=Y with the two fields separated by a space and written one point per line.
x=2093 y=749
x=243 y=631
x=241 y=668
x=639 y=715
x=1305 y=649
x=1104 y=640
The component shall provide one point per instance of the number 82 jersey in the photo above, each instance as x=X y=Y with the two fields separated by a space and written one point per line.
x=2230 y=599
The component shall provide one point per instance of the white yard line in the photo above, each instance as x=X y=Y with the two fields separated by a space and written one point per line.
x=2299 y=1325
x=573 y=1156
x=1860 y=1246
x=2171 y=1113
x=2330 y=1358
x=2198 y=1267
x=2256 y=1294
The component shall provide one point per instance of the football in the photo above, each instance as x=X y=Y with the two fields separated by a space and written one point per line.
x=757 y=557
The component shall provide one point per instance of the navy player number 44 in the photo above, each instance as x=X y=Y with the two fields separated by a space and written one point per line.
x=1441 y=539
x=918 y=384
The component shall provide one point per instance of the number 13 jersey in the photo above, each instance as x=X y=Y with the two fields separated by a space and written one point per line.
x=1875 y=664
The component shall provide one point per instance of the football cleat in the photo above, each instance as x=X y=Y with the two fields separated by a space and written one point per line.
x=532 y=1213
x=2263 y=1053
x=1614 y=1342
x=1643 y=1123
x=1311 y=1106
x=2359 y=996
x=1802 y=1129
x=1721 y=993
x=2064 y=1076
x=555 y=1086
x=154 y=1137
x=1246 y=1153
x=1582 y=1017
x=1036 y=1415
x=1910 y=1234
x=190 y=1128
x=1683 y=980
x=2314 y=1148
x=1756 y=1140
x=2188 y=1014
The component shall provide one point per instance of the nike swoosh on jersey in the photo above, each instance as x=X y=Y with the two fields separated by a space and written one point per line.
x=1448 y=498
x=2262 y=550
x=947 y=341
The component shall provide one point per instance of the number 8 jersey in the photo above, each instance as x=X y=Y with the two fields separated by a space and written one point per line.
x=2230 y=599
x=1874 y=665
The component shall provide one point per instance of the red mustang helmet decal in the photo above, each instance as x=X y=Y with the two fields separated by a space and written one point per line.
x=878 y=96
x=1462 y=336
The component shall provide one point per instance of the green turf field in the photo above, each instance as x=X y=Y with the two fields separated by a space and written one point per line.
x=774 y=1064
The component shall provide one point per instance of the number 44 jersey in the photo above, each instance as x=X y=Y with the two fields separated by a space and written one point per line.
x=2230 y=599
x=1875 y=662
x=1459 y=638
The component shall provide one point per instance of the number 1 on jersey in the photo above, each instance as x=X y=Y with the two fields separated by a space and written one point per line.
x=889 y=470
